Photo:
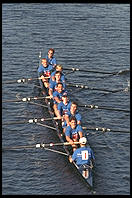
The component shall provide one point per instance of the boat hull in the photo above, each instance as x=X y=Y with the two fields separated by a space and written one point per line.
x=85 y=173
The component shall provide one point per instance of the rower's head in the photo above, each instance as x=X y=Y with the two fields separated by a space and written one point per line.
x=59 y=87
x=73 y=107
x=51 y=52
x=58 y=75
x=64 y=98
x=82 y=141
x=59 y=68
x=44 y=62
x=73 y=122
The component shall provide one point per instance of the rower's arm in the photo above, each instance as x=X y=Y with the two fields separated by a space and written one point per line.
x=50 y=92
x=70 y=159
x=66 y=117
x=58 y=114
x=43 y=78
x=80 y=134
x=69 y=140
x=57 y=99
x=53 y=78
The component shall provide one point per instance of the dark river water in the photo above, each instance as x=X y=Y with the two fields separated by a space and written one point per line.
x=86 y=36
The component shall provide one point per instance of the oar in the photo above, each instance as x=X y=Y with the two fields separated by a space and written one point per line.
x=104 y=129
x=42 y=145
x=33 y=120
x=38 y=104
x=55 y=151
x=23 y=80
x=38 y=86
x=27 y=99
x=103 y=107
x=92 y=88
x=44 y=125
x=83 y=70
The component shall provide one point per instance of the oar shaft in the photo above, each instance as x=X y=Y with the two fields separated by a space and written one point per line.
x=83 y=70
x=46 y=126
x=113 y=109
x=19 y=147
x=16 y=100
x=38 y=104
x=55 y=151
x=33 y=120
x=91 y=88
x=18 y=122
x=56 y=144
x=37 y=146
x=102 y=107
x=24 y=80
x=105 y=129
x=27 y=99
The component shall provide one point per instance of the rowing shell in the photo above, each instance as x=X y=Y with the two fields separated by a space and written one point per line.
x=87 y=176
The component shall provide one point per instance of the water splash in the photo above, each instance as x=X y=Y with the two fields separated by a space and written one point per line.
x=124 y=72
x=127 y=89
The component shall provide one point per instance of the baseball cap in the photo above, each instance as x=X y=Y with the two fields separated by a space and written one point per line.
x=83 y=140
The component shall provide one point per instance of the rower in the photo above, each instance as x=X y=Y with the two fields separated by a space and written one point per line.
x=57 y=97
x=53 y=84
x=63 y=108
x=58 y=68
x=73 y=132
x=50 y=57
x=64 y=105
x=73 y=112
x=44 y=72
x=83 y=156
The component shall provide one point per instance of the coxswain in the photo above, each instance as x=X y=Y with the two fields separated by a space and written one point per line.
x=53 y=84
x=73 y=132
x=50 y=57
x=57 y=97
x=83 y=157
x=44 y=71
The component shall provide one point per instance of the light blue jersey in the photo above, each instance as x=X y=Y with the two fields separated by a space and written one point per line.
x=58 y=95
x=62 y=76
x=51 y=61
x=83 y=155
x=63 y=109
x=73 y=133
x=44 y=70
x=53 y=85
x=77 y=116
